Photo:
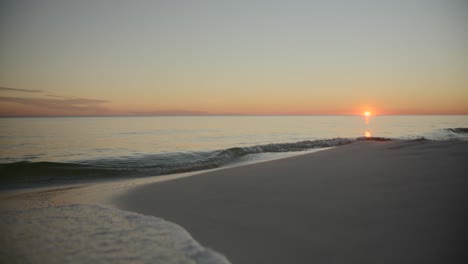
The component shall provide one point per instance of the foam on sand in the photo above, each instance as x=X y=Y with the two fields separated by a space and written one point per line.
x=96 y=234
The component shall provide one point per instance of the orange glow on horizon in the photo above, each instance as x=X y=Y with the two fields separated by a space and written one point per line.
x=367 y=134
x=41 y=105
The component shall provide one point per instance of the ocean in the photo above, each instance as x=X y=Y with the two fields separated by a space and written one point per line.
x=62 y=149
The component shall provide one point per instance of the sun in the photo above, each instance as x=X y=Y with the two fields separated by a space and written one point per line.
x=367 y=113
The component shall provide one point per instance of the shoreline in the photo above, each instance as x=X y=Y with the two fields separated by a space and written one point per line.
x=104 y=191
x=367 y=202
x=91 y=192
x=37 y=182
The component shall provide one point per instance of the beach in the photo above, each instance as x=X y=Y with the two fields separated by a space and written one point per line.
x=366 y=202
x=234 y=132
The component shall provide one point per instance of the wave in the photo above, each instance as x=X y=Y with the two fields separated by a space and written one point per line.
x=90 y=233
x=458 y=130
x=374 y=139
x=25 y=172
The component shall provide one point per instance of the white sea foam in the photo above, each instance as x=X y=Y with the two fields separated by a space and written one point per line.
x=96 y=234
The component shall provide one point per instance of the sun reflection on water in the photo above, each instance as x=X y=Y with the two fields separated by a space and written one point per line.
x=367 y=116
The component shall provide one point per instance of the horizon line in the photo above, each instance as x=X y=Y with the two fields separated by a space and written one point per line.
x=214 y=115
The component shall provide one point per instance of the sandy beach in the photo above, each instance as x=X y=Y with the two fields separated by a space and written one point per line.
x=234 y=132
x=367 y=202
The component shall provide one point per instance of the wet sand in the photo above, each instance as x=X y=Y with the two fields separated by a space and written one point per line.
x=368 y=202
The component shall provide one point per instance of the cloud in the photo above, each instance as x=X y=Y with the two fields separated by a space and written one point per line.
x=47 y=104
x=174 y=112
x=42 y=103
x=76 y=104
x=8 y=89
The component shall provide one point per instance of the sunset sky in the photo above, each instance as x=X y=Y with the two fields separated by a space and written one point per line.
x=96 y=57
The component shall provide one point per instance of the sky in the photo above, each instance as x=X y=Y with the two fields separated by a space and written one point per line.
x=117 y=57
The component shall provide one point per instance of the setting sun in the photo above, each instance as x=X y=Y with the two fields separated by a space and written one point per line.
x=367 y=113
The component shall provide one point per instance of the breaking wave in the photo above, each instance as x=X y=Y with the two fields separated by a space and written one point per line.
x=25 y=172
x=458 y=130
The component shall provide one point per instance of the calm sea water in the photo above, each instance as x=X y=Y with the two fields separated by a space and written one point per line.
x=133 y=146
